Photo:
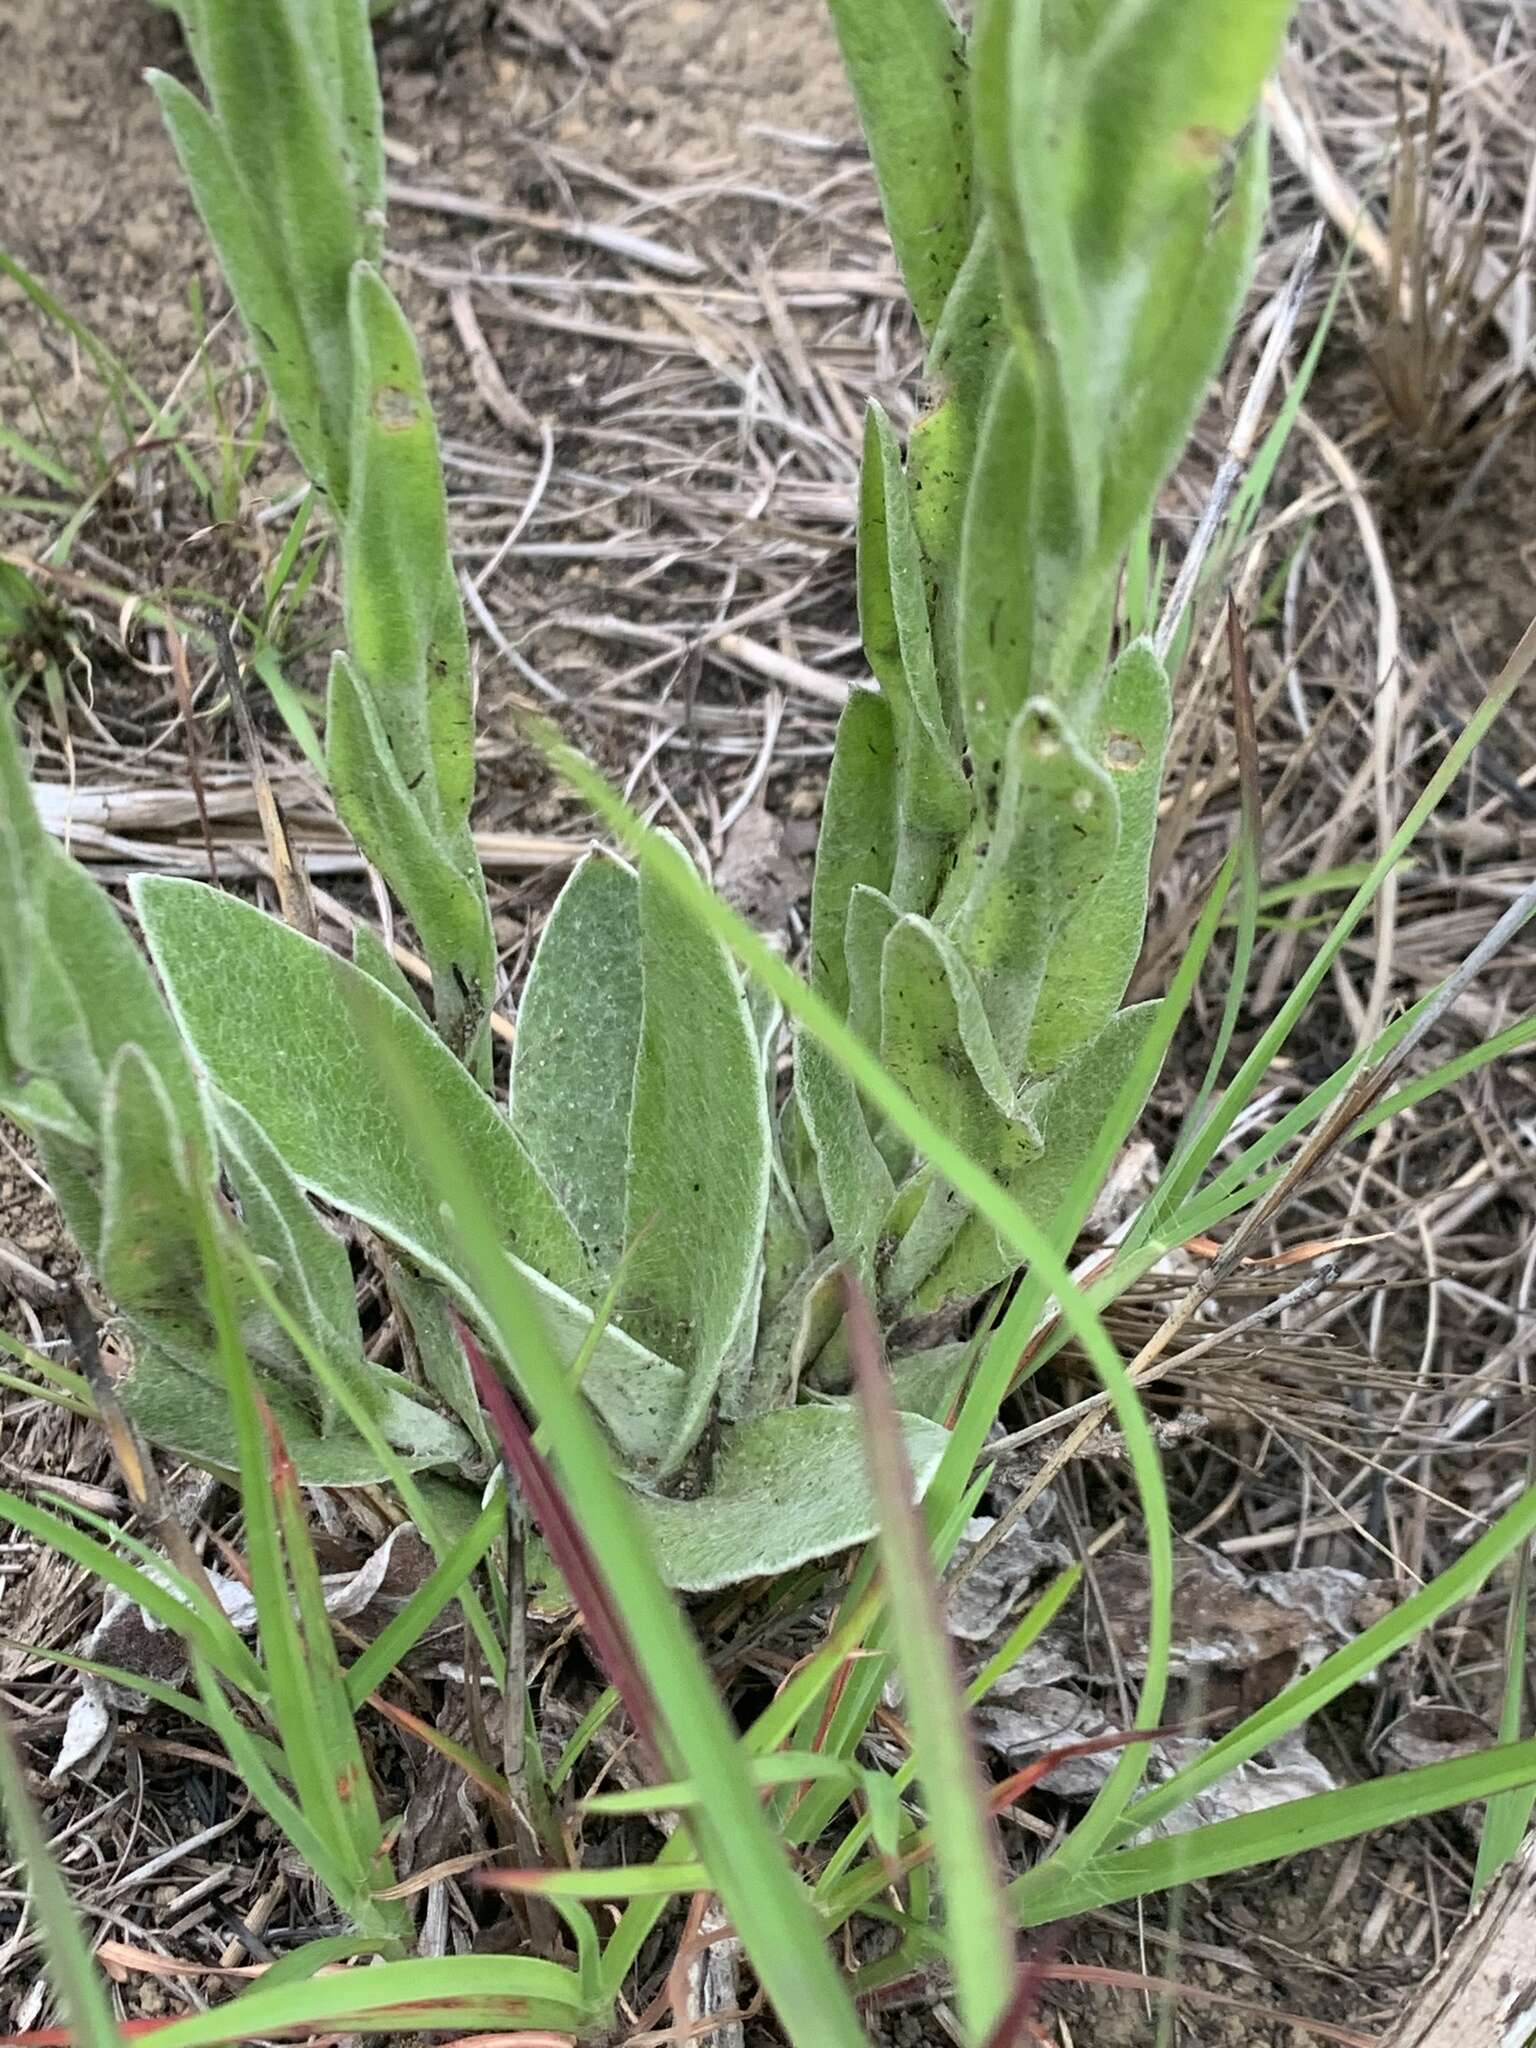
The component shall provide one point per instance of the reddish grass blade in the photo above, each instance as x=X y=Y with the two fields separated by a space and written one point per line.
x=1012 y=1788
x=1017 y=2022
x=567 y=1545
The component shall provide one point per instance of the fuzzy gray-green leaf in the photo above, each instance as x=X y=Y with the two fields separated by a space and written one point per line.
x=857 y=842
x=280 y=1224
x=1094 y=950
x=149 y=1257
x=855 y=1182
x=785 y=1488
x=971 y=339
x=242 y=236
x=289 y=1031
x=151 y=1265
x=867 y=924
x=995 y=605
x=372 y=957
x=405 y=625
x=1191 y=298
x=1017 y=112
x=1070 y=1109
x=432 y=869
x=74 y=988
x=299 y=144
x=578 y=1037
x=1051 y=844
x=935 y=1040
x=906 y=63
x=699 y=1146
x=183 y=1412
x=1157 y=111
x=934 y=803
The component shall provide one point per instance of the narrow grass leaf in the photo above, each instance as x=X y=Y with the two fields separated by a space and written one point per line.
x=81 y=1991
x=568 y=1546
x=1273 y=1834
x=168 y=1600
x=405 y=1629
x=977 y=1933
x=1507 y=1816
x=428 y=1993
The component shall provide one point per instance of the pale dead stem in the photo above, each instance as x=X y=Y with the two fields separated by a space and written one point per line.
x=1389 y=748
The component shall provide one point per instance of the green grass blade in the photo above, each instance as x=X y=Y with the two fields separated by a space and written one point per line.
x=443 y=1991
x=1240 y=1090
x=295 y=1709
x=405 y=1629
x=24 y=451
x=1346 y=1667
x=1509 y=1814
x=344 y=1394
x=332 y=1731
x=185 y=1617
x=977 y=1934
x=307 y=1841
x=1275 y=1833
x=73 y=1970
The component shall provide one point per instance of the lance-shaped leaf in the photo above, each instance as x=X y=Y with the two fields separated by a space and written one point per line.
x=924 y=1221
x=151 y=1265
x=857 y=842
x=906 y=62
x=934 y=802
x=374 y=958
x=314 y=1274
x=1095 y=947
x=867 y=925
x=435 y=1328
x=797 y=1156
x=696 y=1194
x=1192 y=288
x=288 y=175
x=433 y=871
x=578 y=1037
x=855 y=1181
x=305 y=1042
x=1051 y=845
x=153 y=1176
x=935 y=1040
x=1157 y=105
x=1018 y=111
x=340 y=47
x=185 y=1412
x=788 y=1341
x=996 y=602
x=314 y=420
x=785 y=1489
x=1069 y=1108
x=971 y=340
x=74 y=989
x=288 y=1030
x=405 y=625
